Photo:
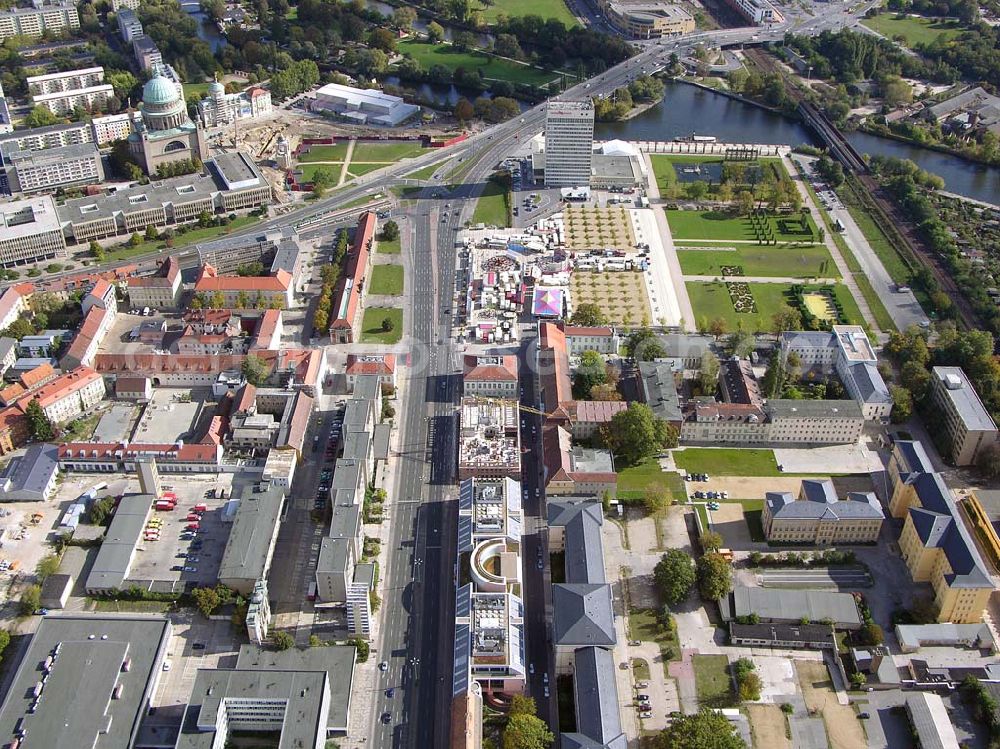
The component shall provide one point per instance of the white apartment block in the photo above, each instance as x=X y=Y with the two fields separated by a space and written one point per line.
x=64 y=102
x=129 y=25
x=758 y=12
x=968 y=426
x=71 y=395
x=31 y=231
x=113 y=127
x=67 y=166
x=52 y=136
x=569 y=142
x=117 y=5
x=259 y=614
x=147 y=54
x=37 y=20
x=603 y=340
x=67 y=80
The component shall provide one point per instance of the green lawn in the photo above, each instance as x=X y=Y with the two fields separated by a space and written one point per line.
x=371 y=325
x=123 y=252
x=554 y=9
x=640 y=669
x=201 y=89
x=309 y=171
x=710 y=300
x=633 y=481
x=387 y=279
x=389 y=151
x=429 y=55
x=725 y=227
x=803 y=261
x=666 y=174
x=712 y=682
x=882 y=316
x=336 y=152
x=914 y=29
x=491 y=208
x=388 y=247
x=363 y=168
x=643 y=625
x=726 y=461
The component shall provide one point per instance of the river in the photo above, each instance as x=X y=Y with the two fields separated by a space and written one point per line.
x=687 y=110
x=207 y=31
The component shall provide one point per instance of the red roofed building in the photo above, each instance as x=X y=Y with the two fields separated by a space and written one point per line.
x=14 y=431
x=96 y=323
x=267 y=336
x=490 y=376
x=300 y=367
x=602 y=339
x=108 y=457
x=11 y=393
x=555 y=384
x=570 y=470
x=348 y=292
x=68 y=396
x=217 y=321
x=161 y=290
x=383 y=365
x=245 y=291
x=37 y=377
x=133 y=389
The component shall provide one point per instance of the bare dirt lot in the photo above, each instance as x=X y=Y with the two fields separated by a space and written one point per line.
x=842 y=725
x=767 y=724
x=755 y=487
x=729 y=521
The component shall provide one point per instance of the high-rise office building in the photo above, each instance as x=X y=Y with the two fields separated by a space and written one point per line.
x=569 y=142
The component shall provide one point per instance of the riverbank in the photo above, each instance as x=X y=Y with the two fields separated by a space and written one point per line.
x=884 y=132
x=734 y=96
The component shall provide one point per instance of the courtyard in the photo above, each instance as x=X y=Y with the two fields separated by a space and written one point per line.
x=620 y=295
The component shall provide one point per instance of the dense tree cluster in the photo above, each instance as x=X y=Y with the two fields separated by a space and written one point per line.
x=622 y=100
x=296 y=78
x=176 y=35
x=178 y=168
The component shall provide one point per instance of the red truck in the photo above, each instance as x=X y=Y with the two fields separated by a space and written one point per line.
x=164 y=505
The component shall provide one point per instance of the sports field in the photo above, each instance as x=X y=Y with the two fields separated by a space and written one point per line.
x=335 y=152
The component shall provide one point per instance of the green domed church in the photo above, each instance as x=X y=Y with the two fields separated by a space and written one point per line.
x=166 y=133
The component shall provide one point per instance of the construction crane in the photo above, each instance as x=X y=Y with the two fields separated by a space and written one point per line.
x=520 y=406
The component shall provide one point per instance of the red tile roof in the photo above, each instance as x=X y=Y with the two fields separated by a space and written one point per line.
x=211 y=317
x=8 y=301
x=210 y=281
x=579 y=330
x=77 y=351
x=11 y=393
x=61 y=387
x=299 y=421
x=553 y=367
x=246 y=400
x=267 y=327
x=177 y=452
x=600 y=412
x=349 y=282
x=305 y=363
x=164 y=277
x=370 y=364
x=38 y=375
x=131 y=385
x=101 y=288
x=505 y=371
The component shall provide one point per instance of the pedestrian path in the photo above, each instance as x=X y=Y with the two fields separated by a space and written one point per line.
x=347 y=161
x=763 y=279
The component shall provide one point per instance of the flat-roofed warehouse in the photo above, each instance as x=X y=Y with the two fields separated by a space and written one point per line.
x=248 y=553
x=790 y=606
x=90 y=679
x=114 y=559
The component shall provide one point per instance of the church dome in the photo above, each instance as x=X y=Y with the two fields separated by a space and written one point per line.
x=216 y=89
x=159 y=91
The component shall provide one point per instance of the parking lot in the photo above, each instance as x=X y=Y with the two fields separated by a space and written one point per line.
x=188 y=548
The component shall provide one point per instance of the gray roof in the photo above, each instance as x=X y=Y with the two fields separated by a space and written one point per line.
x=27 y=477
x=869 y=383
x=347 y=475
x=914 y=636
x=913 y=456
x=381 y=441
x=584 y=553
x=791 y=605
x=365 y=573
x=68 y=152
x=778 y=408
x=659 y=390
x=337 y=660
x=302 y=693
x=953 y=384
x=6 y=346
x=683 y=346
x=115 y=556
x=929 y=717
x=583 y=615
x=820 y=502
x=254 y=529
x=75 y=708
x=597 y=715
x=356 y=415
x=356 y=445
x=802 y=633
x=367 y=387
x=286 y=257
x=345 y=521
x=938 y=524
x=808 y=339
x=334 y=554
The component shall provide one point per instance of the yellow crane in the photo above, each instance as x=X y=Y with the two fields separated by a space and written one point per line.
x=520 y=406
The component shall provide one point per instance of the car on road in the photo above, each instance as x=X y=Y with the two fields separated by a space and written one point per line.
x=635 y=643
x=386 y=719
x=166 y=665
x=390 y=692
x=383 y=666
x=540 y=566
x=545 y=691
x=198 y=646
x=863 y=716
x=177 y=568
x=642 y=697
x=545 y=678
x=642 y=685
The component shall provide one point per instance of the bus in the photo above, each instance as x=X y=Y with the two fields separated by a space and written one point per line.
x=838 y=225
